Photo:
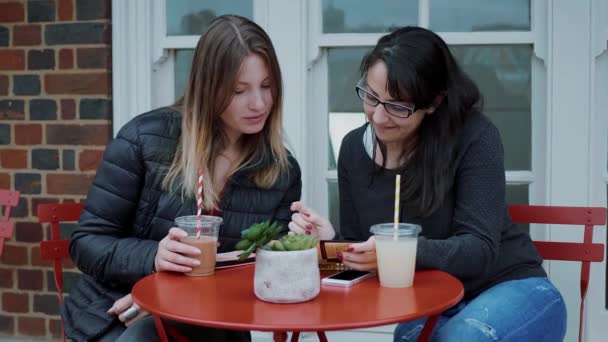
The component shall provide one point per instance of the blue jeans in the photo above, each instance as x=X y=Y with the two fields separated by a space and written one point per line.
x=522 y=310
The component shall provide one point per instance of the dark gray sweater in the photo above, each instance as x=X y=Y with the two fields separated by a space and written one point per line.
x=470 y=236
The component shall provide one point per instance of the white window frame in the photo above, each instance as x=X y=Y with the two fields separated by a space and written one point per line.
x=596 y=328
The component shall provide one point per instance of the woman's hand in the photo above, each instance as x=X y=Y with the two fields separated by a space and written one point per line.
x=172 y=254
x=307 y=221
x=128 y=312
x=361 y=256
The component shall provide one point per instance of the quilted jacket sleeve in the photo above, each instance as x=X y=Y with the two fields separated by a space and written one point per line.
x=103 y=246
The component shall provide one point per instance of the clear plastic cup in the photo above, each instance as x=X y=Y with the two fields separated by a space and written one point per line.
x=206 y=241
x=396 y=252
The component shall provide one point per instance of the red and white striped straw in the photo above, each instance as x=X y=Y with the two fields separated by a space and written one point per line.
x=199 y=204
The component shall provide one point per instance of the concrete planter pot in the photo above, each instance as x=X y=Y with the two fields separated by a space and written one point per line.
x=286 y=276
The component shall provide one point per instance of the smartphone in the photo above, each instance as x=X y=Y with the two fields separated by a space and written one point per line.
x=347 y=278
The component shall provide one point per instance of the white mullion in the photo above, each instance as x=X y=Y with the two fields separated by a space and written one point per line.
x=318 y=131
x=451 y=38
x=315 y=31
x=519 y=177
x=159 y=31
x=331 y=174
x=179 y=42
x=424 y=16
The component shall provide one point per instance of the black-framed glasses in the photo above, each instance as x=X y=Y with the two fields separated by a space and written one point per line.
x=394 y=109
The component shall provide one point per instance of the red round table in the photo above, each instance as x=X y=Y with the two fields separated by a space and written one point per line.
x=226 y=300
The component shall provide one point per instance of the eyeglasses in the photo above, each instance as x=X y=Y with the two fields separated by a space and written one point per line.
x=394 y=109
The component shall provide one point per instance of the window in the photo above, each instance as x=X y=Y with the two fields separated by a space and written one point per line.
x=492 y=40
x=184 y=22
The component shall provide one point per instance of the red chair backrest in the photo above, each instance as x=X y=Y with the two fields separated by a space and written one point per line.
x=55 y=248
x=585 y=251
x=8 y=199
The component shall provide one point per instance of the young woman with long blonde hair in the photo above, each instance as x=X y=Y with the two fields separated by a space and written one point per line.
x=228 y=127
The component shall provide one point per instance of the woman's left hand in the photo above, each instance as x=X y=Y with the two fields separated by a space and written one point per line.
x=361 y=256
x=128 y=312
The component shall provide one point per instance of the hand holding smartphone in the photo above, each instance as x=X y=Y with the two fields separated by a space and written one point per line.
x=347 y=278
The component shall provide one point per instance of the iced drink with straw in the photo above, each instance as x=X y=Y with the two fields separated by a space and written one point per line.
x=396 y=253
x=202 y=233
x=396 y=245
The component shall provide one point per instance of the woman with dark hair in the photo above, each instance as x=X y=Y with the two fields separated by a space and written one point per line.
x=228 y=125
x=425 y=124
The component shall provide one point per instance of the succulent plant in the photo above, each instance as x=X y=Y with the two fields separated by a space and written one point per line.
x=260 y=234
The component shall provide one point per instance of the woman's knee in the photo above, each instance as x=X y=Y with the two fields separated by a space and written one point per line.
x=408 y=331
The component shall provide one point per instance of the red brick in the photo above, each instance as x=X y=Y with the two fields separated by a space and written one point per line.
x=31 y=326
x=13 y=159
x=55 y=328
x=92 y=58
x=89 y=160
x=14 y=255
x=28 y=134
x=66 y=59
x=12 y=59
x=65 y=9
x=37 y=260
x=37 y=201
x=72 y=184
x=5 y=180
x=11 y=12
x=7 y=324
x=6 y=278
x=78 y=134
x=4 y=83
x=85 y=84
x=30 y=279
x=28 y=232
x=15 y=302
x=68 y=109
x=26 y=35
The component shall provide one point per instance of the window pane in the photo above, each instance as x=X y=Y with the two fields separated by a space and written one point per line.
x=503 y=75
x=188 y=17
x=357 y=16
x=480 y=15
x=345 y=108
x=518 y=194
x=183 y=59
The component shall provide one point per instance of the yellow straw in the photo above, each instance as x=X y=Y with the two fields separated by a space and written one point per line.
x=397 y=192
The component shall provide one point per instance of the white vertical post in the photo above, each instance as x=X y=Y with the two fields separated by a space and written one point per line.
x=569 y=133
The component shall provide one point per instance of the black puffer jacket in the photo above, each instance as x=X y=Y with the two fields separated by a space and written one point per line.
x=127 y=213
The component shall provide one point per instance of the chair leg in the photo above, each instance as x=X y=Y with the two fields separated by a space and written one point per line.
x=428 y=328
x=160 y=329
x=279 y=336
x=295 y=336
x=322 y=337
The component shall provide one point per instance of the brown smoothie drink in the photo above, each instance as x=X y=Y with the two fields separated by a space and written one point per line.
x=207 y=246
x=203 y=233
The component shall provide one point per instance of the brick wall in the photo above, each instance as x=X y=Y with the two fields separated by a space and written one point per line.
x=55 y=120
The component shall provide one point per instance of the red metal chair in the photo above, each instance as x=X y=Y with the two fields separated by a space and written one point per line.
x=585 y=251
x=55 y=248
x=8 y=200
